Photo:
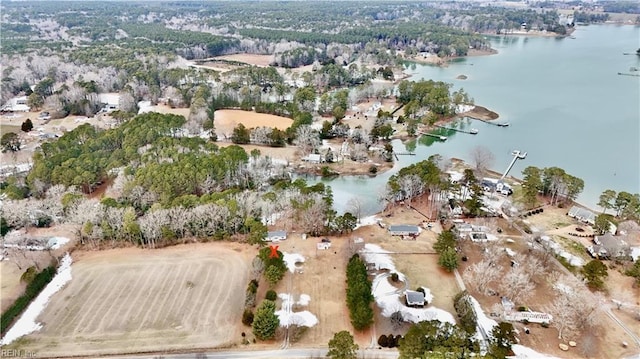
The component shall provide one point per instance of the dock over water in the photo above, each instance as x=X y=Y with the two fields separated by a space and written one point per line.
x=441 y=138
x=499 y=124
x=473 y=131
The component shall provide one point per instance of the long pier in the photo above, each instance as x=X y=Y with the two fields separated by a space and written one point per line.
x=624 y=74
x=441 y=138
x=473 y=131
x=499 y=124
x=403 y=154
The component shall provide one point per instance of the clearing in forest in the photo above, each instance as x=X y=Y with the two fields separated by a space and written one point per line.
x=135 y=300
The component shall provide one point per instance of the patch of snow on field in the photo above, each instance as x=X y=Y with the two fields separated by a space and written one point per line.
x=428 y=297
x=304 y=299
x=522 y=352
x=52 y=243
x=391 y=304
x=57 y=242
x=367 y=221
x=374 y=254
x=27 y=322
x=557 y=249
x=484 y=322
x=288 y=317
x=572 y=259
x=290 y=259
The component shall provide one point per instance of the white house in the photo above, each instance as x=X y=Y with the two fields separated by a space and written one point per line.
x=17 y=104
x=276 y=236
x=313 y=158
x=110 y=101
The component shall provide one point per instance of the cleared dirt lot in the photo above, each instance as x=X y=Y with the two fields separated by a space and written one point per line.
x=323 y=279
x=130 y=300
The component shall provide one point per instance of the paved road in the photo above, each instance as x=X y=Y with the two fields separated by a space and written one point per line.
x=264 y=354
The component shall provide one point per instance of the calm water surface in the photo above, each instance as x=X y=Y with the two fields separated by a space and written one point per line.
x=564 y=100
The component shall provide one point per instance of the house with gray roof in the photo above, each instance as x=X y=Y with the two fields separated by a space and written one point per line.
x=582 y=215
x=404 y=230
x=609 y=246
x=414 y=298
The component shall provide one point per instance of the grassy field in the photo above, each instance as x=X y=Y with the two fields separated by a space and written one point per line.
x=9 y=128
x=134 y=300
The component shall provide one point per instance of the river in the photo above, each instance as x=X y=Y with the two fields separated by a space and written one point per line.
x=565 y=102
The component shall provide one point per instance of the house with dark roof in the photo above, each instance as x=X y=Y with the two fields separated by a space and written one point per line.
x=414 y=298
x=404 y=230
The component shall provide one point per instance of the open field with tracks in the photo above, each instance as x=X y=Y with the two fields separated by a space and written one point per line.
x=227 y=120
x=134 y=300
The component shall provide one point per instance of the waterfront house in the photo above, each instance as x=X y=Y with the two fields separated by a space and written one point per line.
x=313 y=158
x=582 y=215
x=404 y=230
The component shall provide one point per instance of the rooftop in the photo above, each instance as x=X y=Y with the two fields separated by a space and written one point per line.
x=414 y=297
x=403 y=228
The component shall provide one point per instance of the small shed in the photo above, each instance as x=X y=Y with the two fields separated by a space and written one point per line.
x=414 y=298
x=404 y=230
x=276 y=236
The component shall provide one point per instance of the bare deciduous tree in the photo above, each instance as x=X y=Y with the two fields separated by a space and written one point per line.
x=127 y=103
x=533 y=266
x=410 y=186
x=574 y=309
x=359 y=152
x=482 y=158
x=516 y=284
x=261 y=135
x=307 y=139
x=355 y=207
x=481 y=274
